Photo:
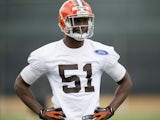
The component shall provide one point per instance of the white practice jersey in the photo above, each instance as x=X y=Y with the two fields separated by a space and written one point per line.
x=74 y=74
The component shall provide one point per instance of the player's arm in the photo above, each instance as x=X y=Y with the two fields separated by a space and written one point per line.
x=122 y=91
x=22 y=89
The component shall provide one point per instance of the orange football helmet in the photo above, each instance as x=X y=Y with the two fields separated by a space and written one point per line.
x=69 y=12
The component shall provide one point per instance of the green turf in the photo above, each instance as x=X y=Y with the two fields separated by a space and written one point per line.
x=11 y=117
x=136 y=117
x=115 y=117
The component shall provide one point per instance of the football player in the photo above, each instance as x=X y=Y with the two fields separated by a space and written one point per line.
x=74 y=66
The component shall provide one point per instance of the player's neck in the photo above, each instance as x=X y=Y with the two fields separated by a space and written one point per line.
x=72 y=43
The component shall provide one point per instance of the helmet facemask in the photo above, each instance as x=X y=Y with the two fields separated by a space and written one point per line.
x=77 y=31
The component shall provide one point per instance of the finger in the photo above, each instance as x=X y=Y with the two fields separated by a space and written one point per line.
x=61 y=114
x=58 y=113
x=96 y=115
x=54 y=117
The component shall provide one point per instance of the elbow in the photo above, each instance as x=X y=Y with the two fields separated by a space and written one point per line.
x=20 y=85
x=126 y=83
x=130 y=85
x=16 y=87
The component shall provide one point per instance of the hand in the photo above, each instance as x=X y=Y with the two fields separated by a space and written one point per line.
x=103 y=113
x=51 y=114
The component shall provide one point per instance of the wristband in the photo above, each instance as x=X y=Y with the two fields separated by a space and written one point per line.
x=111 y=109
x=41 y=113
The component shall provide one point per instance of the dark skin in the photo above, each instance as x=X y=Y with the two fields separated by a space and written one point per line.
x=23 y=89
x=122 y=91
x=71 y=42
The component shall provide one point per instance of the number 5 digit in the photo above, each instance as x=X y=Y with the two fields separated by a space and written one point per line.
x=75 y=78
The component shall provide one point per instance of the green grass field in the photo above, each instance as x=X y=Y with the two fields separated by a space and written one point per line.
x=116 y=117
x=137 y=117
x=135 y=108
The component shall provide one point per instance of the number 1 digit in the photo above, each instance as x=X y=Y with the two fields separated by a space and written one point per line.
x=88 y=69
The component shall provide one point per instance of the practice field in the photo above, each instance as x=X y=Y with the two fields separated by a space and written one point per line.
x=135 y=108
x=116 y=117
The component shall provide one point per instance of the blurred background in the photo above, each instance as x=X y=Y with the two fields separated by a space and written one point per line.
x=131 y=26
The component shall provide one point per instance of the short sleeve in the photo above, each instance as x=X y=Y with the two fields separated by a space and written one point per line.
x=34 y=70
x=116 y=72
x=112 y=67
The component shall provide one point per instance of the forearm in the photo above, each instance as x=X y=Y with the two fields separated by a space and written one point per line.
x=26 y=95
x=119 y=97
x=121 y=92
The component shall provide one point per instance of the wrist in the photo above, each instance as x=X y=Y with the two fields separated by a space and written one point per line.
x=41 y=113
x=111 y=109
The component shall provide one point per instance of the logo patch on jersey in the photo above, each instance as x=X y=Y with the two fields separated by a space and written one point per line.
x=101 y=52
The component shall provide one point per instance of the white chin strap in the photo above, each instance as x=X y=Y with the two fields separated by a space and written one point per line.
x=79 y=37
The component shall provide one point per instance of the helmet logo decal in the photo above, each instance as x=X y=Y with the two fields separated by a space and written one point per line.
x=79 y=2
x=81 y=9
